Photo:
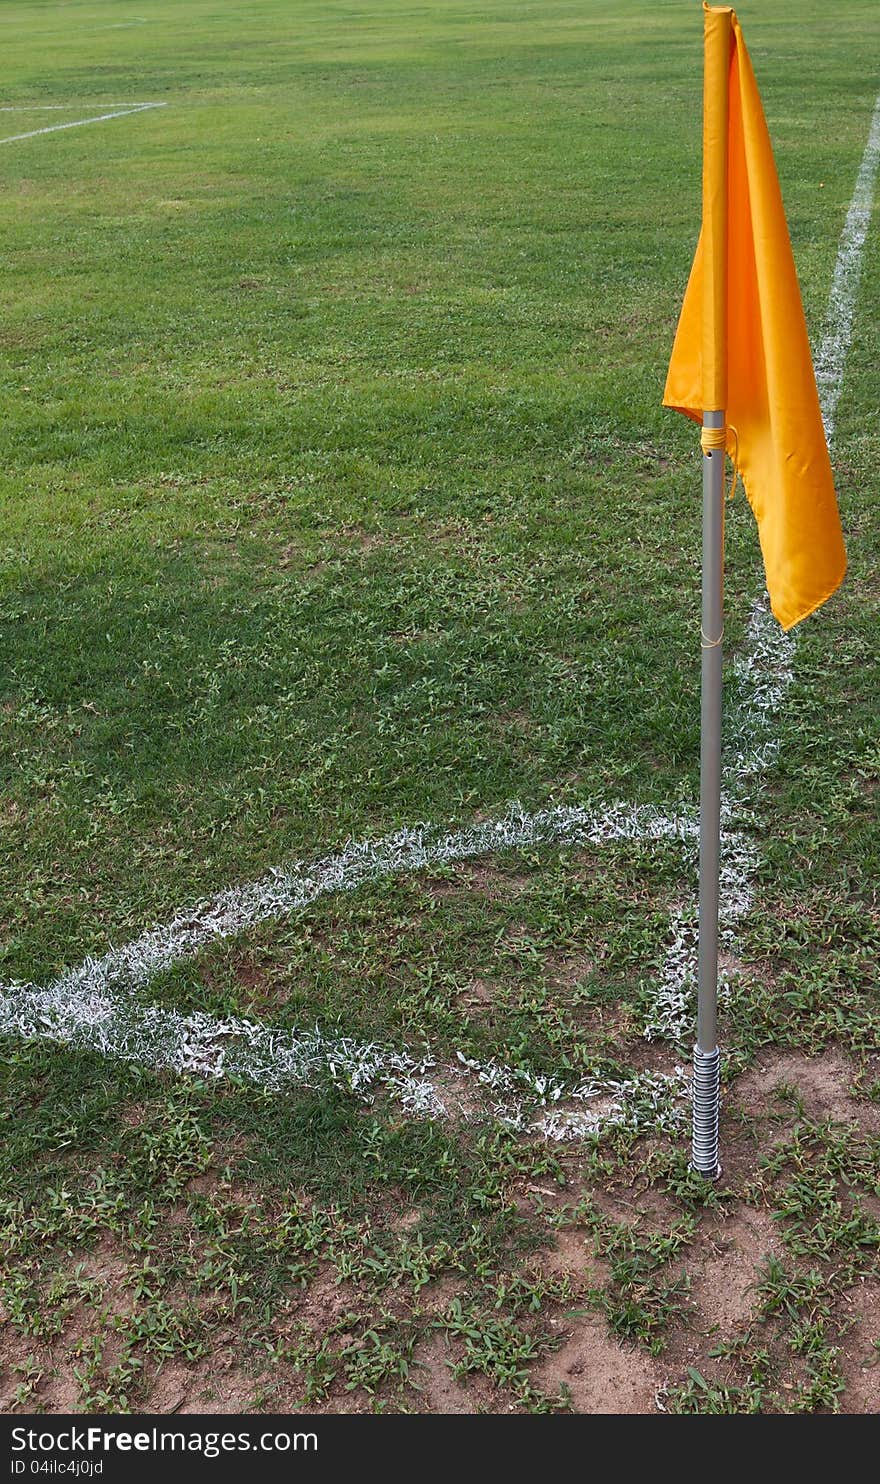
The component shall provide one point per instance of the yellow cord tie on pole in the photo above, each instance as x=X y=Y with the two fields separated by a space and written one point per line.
x=712 y=438
x=715 y=439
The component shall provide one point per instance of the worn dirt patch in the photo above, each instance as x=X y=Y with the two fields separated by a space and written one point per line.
x=603 y=1377
x=438 y=1390
x=215 y=1384
x=572 y=970
x=861 y=1357
x=493 y=881
x=725 y=1283
x=646 y=1210
x=57 y=1389
x=573 y=1257
x=479 y=994
x=823 y=1083
x=324 y=1302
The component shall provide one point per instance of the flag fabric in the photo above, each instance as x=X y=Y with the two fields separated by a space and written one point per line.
x=741 y=346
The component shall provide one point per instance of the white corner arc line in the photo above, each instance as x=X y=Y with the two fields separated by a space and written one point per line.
x=95 y=1006
x=78 y=123
x=283 y=892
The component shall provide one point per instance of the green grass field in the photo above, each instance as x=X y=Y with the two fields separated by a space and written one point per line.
x=337 y=496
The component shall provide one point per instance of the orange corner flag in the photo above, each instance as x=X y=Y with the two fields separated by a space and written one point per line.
x=741 y=346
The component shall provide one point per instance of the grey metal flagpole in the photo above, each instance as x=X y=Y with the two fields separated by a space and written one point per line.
x=707 y=1058
x=716 y=102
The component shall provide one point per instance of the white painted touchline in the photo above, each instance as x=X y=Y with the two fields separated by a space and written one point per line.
x=837 y=331
x=78 y=123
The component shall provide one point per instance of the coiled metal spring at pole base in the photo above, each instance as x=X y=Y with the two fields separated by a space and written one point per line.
x=704 y=1147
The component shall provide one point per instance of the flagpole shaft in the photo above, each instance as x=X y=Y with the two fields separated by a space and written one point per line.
x=706 y=1055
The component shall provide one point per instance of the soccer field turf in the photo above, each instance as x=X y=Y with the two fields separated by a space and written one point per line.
x=337 y=498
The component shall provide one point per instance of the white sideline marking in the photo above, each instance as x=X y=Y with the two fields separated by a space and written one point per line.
x=78 y=123
x=95 y=1005
x=837 y=331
